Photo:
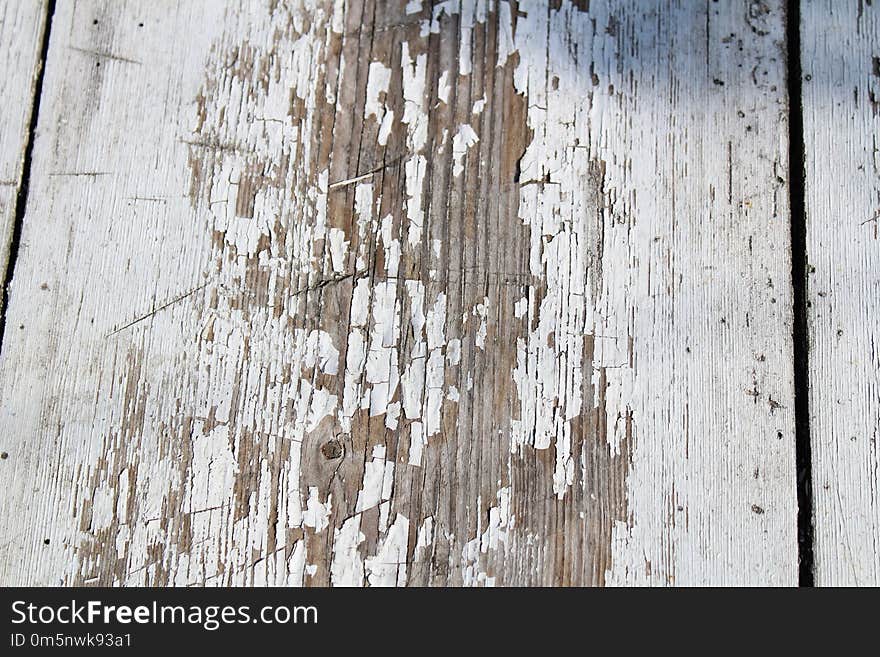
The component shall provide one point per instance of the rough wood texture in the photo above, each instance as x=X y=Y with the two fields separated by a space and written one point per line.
x=378 y=293
x=841 y=95
x=21 y=35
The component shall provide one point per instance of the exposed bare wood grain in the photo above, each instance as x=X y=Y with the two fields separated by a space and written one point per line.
x=21 y=33
x=841 y=100
x=383 y=293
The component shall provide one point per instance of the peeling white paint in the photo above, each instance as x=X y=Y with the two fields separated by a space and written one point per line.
x=388 y=567
x=321 y=404
x=461 y=142
x=317 y=514
x=378 y=480
x=495 y=536
x=392 y=416
x=338 y=249
x=472 y=13
x=347 y=568
x=549 y=371
x=444 y=88
x=453 y=351
x=417 y=442
x=481 y=310
x=381 y=365
x=425 y=538
x=506 y=45
x=378 y=79
x=385 y=127
x=320 y=351
x=415 y=116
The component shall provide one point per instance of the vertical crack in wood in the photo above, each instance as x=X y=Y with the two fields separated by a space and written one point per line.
x=22 y=196
x=799 y=285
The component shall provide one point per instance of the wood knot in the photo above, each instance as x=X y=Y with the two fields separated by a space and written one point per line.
x=332 y=449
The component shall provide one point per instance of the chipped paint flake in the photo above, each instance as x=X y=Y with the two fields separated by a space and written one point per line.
x=444 y=88
x=378 y=480
x=347 y=568
x=461 y=142
x=378 y=79
x=338 y=249
x=388 y=567
x=317 y=514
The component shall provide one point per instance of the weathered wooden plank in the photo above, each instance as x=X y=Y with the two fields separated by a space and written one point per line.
x=380 y=293
x=841 y=67
x=21 y=35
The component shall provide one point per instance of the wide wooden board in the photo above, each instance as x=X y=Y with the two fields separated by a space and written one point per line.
x=380 y=293
x=841 y=98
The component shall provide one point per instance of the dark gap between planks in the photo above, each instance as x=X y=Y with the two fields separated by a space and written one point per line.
x=796 y=187
x=22 y=196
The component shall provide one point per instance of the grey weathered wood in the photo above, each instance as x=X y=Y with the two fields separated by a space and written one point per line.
x=841 y=92
x=374 y=293
x=21 y=35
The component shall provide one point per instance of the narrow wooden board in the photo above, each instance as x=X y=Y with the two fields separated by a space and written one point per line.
x=21 y=37
x=378 y=293
x=840 y=51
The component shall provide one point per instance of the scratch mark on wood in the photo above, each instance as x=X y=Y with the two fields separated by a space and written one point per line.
x=157 y=310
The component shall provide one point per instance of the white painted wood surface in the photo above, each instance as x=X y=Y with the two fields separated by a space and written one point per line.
x=841 y=93
x=21 y=35
x=374 y=293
